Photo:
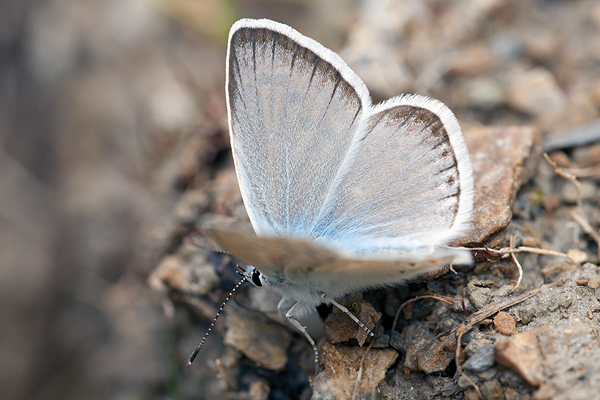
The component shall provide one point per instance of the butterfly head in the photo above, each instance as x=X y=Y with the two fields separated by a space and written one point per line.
x=255 y=277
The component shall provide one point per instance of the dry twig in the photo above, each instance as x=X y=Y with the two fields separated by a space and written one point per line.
x=419 y=296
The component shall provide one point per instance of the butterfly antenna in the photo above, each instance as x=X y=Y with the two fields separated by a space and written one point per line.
x=195 y=353
x=241 y=271
x=201 y=245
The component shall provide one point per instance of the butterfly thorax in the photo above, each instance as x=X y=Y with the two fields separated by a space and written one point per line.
x=293 y=291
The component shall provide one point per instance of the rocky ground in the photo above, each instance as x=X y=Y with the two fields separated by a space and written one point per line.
x=115 y=150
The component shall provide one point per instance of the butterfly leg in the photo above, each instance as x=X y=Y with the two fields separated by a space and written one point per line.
x=347 y=312
x=285 y=304
x=290 y=316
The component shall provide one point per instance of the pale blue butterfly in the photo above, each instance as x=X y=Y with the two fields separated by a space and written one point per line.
x=343 y=196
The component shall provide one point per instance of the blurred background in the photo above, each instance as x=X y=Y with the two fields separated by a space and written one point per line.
x=111 y=110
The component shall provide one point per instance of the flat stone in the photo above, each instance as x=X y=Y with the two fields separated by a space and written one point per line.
x=340 y=377
x=481 y=356
x=521 y=353
x=264 y=343
x=503 y=159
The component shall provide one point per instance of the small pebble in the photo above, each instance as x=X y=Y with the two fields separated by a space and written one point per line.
x=492 y=390
x=579 y=256
x=587 y=191
x=587 y=156
x=505 y=324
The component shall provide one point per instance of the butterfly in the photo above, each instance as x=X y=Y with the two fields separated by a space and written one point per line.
x=343 y=195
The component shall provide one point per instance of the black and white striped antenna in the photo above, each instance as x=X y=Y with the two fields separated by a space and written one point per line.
x=195 y=353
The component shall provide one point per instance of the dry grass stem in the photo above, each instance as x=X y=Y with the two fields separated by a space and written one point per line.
x=445 y=299
x=519 y=267
x=507 y=251
x=355 y=392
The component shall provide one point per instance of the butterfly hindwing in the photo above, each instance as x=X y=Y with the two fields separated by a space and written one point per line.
x=408 y=176
x=311 y=268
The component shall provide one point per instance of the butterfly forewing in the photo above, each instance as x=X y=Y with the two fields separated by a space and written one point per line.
x=408 y=177
x=294 y=108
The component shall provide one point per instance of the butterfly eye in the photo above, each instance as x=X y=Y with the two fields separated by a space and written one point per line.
x=256 y=278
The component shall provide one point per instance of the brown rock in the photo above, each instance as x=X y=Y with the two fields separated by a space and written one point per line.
x=431 y=275
x=192 y=204
x=186 y=271
x=505 y=324
x=492 y=390
x=430 y=356
x=437 y=356
x=226 y=191
x=258 y=390
x=521 y=353
x=473 y=60
x=340 y=376
x=371 y=51
x=264 y=343
x=503 y=159
x=587 y=156
x=471 y=394
x=483 y=93
x=411 y=361
x=536 y=92
x=339 y=327
x=595 y=91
